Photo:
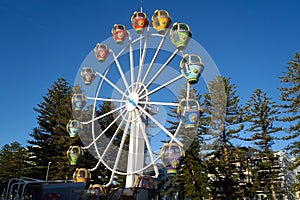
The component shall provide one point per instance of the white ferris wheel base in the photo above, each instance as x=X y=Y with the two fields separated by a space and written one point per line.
x=136 y=151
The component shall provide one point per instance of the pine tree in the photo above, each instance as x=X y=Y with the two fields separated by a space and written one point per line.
x=50 y=139
x=261 y=115
x=224 y=123
x=191 y=178
x=12 y=163
x=290 y=106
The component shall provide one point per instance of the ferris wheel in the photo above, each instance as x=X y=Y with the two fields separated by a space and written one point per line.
x=137 y=96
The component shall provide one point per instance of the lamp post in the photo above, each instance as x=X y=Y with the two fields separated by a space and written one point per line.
x=48 y=170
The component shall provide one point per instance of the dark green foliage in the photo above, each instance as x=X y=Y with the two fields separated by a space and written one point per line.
x=290 y=106
x=261 y=116
x=12 y=163
x=191 y=179
x=50 y=139
x=223 y=116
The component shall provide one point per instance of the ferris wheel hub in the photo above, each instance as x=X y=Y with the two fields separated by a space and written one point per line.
x=132 y=101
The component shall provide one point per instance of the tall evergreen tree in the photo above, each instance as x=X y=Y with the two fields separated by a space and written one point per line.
x=290 y=107
x=12 y=163
x=50 y=139
x=261 y=116
x=223 y=112
x=191 y=178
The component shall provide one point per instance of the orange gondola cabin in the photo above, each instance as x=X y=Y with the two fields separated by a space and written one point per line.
x=82 y=175
x=161 y=21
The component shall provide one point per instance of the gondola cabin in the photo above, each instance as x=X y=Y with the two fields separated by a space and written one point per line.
x=88 y=75
x=139 y=22
x=101 y=52
x=161 y=21
x=180 y=35
x=191 y=67
x=82 y=175
x=171 y=156
x=119 y=33
x=78 y=101
x=73 y=128
x=145 y=182
x=98 y=189
x=189 y=113
x=73 y=154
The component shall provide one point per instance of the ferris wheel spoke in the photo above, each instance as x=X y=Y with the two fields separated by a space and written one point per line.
x=188 y=87
x=104 y=131
x=177 y=130
x=147 y=142
x=106 y=99
x=97 y=165
x=120 y=70
x=104 y=115
x=162 y=86
x=113 y=137
x=122 y=144
x=154 y=57
x=142 y=55
x=160 y=126
x=131 y=61
x=113 y=85
x=159 y=103
x=160 y=70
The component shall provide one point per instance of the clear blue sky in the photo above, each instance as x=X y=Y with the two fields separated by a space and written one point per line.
x=250 y=41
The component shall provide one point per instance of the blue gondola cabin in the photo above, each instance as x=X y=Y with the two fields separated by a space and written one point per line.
x=189 y=113
x=191 y=67
x=73 y=128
